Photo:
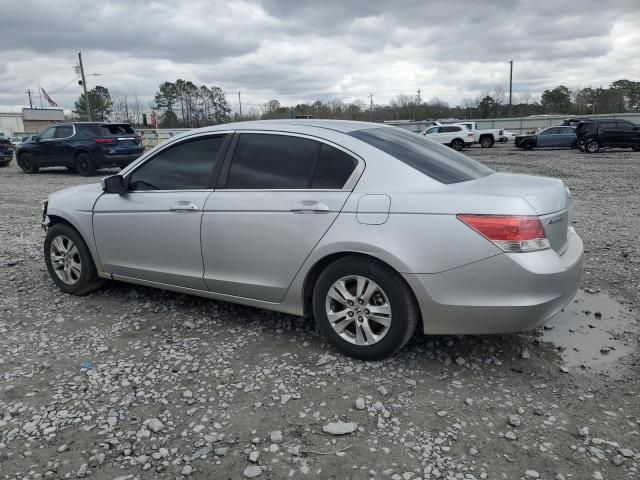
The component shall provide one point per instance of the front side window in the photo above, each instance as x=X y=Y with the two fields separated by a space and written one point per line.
x=189 y=165
x=432 y=130
x=47 y=134
x=64 y=131
x=430 y=158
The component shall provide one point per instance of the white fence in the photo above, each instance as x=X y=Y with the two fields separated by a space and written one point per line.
x=153 y=137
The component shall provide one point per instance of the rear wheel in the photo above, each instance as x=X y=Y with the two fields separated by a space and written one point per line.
x=69 y=261
x=486 y=141
x=364 y=308
x=457 y=144
x=27 y=163
x=592 y=146
x=636 y=149
x=527 y=145
x=84 y=165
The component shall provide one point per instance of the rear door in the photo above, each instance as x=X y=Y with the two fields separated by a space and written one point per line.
x=567 y=136
x=61 y=148
x=627 y=134
x=152 y=232
x=607 y=132
x=277 y=196
x=548 y=137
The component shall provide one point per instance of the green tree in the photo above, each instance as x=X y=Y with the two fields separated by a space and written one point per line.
x=487 y=106
x=100 y=104
x=557 y=100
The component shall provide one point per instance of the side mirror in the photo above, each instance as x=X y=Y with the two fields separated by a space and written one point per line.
x=114 y=184
x=34 y=138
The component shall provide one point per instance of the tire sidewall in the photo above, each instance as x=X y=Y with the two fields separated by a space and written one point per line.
x=457 y=145
x=592 y=142
x=85 y=172
x=88 y=275
x=31 y=166
x=403 y=308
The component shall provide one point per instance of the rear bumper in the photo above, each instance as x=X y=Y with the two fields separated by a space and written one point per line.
x=116 y=160
x=506 y=293
x=5 y=159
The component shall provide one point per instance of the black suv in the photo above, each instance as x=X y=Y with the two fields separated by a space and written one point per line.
x=596 y=134
x=82 y=147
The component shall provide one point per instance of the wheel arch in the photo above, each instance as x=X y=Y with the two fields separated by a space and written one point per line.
x=322 y=263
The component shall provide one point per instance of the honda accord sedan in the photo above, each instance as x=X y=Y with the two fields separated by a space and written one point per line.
x=373 y=230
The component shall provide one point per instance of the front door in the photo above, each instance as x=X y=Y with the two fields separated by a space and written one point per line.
x=280 y=195
x=152 y=232
x=43 y=150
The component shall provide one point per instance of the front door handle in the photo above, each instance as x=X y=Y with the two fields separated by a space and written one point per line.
x=310 y=206
x=184 y=206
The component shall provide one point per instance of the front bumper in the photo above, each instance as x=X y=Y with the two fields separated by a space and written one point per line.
x=507 y=293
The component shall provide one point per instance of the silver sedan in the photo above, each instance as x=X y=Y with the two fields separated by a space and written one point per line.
x=374 y=230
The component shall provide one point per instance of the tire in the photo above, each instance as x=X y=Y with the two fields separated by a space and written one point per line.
x=527 y=146
x=592 y=146
x=27 y=163
x=487 y=141
x=635 y=149
x=84 y=164
x=387 y=291
x=74 y=273
x=457 y=144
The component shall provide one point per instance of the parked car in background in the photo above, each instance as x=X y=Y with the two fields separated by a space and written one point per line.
x=17 y=140
x=486 y=137
x=6 y=152
x=596 y=134
x=454 y=136
x=507 y=137
x=375 y=230
x=550 y=137
x=82 y=147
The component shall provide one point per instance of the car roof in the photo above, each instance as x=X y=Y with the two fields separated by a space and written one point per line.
x=294 y=124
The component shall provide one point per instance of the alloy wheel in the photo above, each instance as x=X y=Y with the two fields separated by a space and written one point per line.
x=65 y=260
x=358 y=310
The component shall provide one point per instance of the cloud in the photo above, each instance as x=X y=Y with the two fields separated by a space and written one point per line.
x=298 y=50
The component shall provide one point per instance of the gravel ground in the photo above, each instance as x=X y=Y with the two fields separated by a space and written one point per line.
x=131 y=382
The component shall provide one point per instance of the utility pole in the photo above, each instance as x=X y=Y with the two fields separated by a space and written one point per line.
x=371 y=107
x=418 y=109
x=84 y=86
x=510 y=84
x=30 y=102
x=240 y=104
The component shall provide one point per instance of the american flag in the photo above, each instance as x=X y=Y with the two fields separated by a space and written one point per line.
x=48 y=98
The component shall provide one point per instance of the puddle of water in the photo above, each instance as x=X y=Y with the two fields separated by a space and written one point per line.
x=590 y=330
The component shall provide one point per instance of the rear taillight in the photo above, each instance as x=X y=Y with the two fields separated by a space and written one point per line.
x=107 y=141
x=510 y=234
x=138 y=139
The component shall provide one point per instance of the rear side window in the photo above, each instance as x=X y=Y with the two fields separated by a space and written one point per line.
x=607 y=125
x=624 y=126
x=268 y=162
x=89 y=130
x=189 y=165
x=449 y=129
x=432 y=159
x=116 y=129
x=333 y=169
x=64 y=131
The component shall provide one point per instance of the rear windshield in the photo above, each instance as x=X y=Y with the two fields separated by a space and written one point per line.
x=428 y=157
x=116 y=129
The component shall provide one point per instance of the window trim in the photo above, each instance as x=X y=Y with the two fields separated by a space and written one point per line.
x=44 y=130
x=161 y=148
x=348 y=186
x=65 y=125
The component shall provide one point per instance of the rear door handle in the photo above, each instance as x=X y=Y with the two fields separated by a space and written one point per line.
x=184 y=206
x=310 y=206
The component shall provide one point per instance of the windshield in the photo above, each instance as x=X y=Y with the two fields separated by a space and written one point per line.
x=428 y=157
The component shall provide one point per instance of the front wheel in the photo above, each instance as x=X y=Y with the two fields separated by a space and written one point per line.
x=636 y=149
x=69 y=261
x=592 y=146
x=364 y=308
x=457 y=144
x=27 y=163
x=528 y=146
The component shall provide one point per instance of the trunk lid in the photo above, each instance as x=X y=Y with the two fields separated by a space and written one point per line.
x=548 y=197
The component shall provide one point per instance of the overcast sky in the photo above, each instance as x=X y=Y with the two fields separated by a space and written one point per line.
x=298 y=50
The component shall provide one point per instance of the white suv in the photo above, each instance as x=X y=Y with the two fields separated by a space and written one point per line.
x=455 y=136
